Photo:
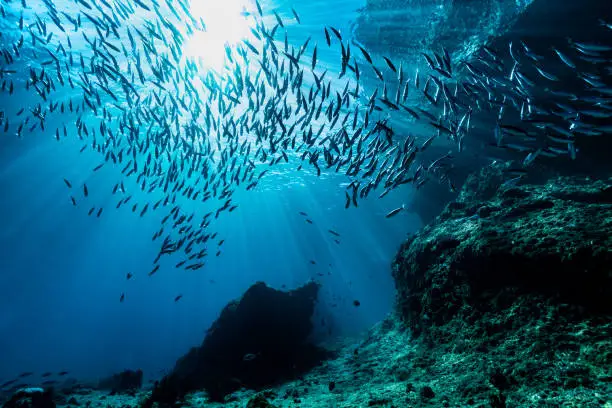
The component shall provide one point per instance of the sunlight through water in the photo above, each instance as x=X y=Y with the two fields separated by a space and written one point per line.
x=225 y=24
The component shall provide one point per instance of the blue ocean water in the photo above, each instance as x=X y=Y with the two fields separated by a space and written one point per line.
x=66 y=300
x=62 y=271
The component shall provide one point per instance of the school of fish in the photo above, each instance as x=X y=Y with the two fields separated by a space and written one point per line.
x=183 y=134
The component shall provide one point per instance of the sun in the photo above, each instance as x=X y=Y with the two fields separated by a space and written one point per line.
x=225 y=22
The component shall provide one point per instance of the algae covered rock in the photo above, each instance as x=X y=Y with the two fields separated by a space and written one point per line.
x=508 y=292
x=551 y=241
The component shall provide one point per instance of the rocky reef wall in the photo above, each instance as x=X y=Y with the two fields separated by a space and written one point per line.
x=519 y=274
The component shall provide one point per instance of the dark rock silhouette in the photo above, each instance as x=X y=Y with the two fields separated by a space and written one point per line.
x=123 y=382
x=31 y=398
x=259 y=340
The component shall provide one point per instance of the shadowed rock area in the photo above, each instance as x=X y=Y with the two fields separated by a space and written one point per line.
x=259 y=340
x=31 y=397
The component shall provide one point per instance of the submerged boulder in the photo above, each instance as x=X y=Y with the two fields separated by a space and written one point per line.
x=258 y=340
x=498 y=242
x=127 y=381
x=514 y=282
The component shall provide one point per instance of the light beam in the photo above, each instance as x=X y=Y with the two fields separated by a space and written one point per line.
x=225 y=24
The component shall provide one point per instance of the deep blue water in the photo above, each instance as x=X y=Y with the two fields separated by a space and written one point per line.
x=62 y=272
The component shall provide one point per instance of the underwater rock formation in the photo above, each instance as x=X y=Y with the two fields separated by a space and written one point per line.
x=522 y=274
x=497 y=243
x=31 y=398
x=124 y=382
x=258 y=340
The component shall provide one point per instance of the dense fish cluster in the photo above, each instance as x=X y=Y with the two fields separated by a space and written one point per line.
x=529 y=118
x=527 y=108
x=184 y=134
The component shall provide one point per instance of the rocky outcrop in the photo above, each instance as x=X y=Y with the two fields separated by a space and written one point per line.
x=127 y=381
x=258 y=340
x=522 y=276
x=31 y=398
x=499 y=242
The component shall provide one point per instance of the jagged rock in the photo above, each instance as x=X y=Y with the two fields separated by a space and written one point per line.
x=31 y=398
x=123 y=382
x=258 y=340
